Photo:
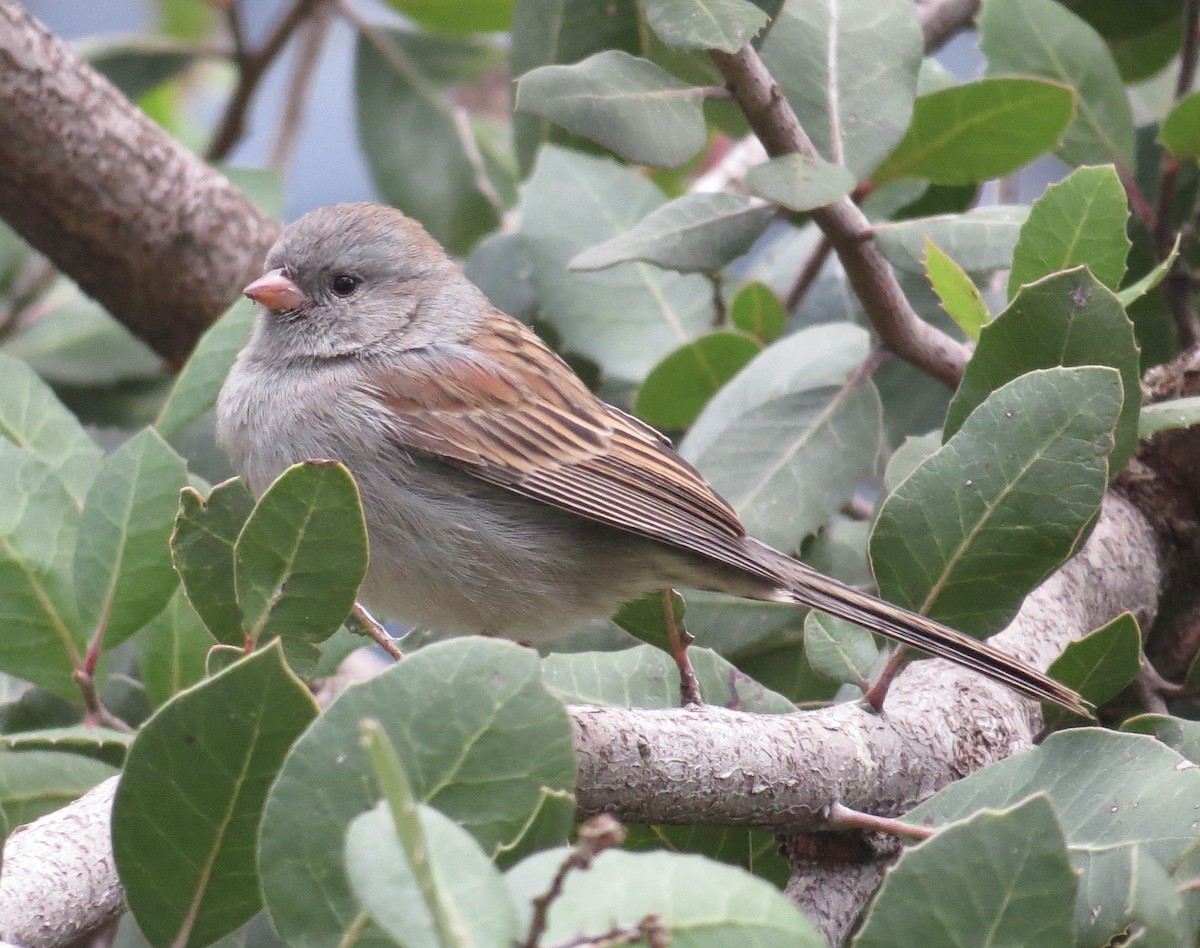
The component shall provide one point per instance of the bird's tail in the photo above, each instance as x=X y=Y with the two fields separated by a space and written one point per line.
x=812 y=589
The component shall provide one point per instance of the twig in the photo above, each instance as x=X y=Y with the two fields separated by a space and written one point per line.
x=362 y=622
x=844 y=818
x=36 y=279
x=941 y=20
x=680 y=639
x=94 y=710
x=870 y=275
x=875 y=693
x=809 y=273
x=252 y=66
x=596 y=835
x=308 y=55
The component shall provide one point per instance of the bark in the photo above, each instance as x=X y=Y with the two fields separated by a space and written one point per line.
x=160 y=239
x=713 y=765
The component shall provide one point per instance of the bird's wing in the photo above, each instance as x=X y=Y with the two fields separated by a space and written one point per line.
x=508 y=410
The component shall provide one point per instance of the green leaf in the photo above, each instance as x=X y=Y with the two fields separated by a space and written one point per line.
x=434 y=177
x=753 y=850
x=980 y=130
x=1102 y=663
x=1079 y=220
x=696 y=233
x=626 y=317
x=31 y=417
x=996 y=878
x=980 y=240
x=458 y=16
x=798 y=407
x=1180 y=131
x=36 y=782
x=172 y=650
x=1044 y=38
x=849 y=69
x=800 y=183
x=912 y=452
x=733 y=626
x=678 y=388
x=423 y=878
x=483 y=759
x=1127 y=889
x=98 y=743
x=187 y=810
x=1179 y=734
x=137 y=64
x=301 y=557
x=757 y=310
x=202 y=548
x=646 y=677
x=123 y=575
x=564 y=31
x=1112 y=792
x=1066 y=319
x=1006 y=500
x=196 y=387
x=839 y=650
x=470 y=888
x=627 y=104
x=959 y=295
x=75 y=342
x=699 y=902
x=705 y=24
x=42 y=641
x=1177 y=413
x=1128 y=295
x=645 y=618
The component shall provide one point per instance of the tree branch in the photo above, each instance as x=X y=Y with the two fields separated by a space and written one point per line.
x=161 y=240
x=870 y=275
x=712 y=765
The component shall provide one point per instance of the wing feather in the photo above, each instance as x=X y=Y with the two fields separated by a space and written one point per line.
x=505 y=408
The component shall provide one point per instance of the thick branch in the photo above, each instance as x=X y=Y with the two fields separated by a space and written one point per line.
x=870 y=275
x=164 y=242
x=712 y=765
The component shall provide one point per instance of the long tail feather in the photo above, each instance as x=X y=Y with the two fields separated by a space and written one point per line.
x=812 y=589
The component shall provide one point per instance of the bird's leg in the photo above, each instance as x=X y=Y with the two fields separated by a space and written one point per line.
x=679 y=639
x=361 y=622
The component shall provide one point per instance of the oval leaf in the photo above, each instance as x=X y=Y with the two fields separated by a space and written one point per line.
x=800 y=183
x=1006 y=500
x=1079 y=220
x=484 y=760
x=628 y=105
x=1066 y=319
x=980 y=130
x=301 y=557
x=677 y=389
x=696 y=233
x=123 y=575
x=980 y=240
x=959 y=295
x=705 y=24
x=211 y=754
x=757 y=310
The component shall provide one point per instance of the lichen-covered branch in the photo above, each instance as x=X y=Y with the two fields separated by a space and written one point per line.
x=160 y=239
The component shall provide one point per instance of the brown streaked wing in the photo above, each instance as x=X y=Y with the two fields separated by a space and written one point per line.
x=522 y=420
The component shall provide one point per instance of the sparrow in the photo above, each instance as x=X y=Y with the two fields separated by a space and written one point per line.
x=500 y=494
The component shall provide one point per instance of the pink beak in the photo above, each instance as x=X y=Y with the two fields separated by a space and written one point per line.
x=275 y=291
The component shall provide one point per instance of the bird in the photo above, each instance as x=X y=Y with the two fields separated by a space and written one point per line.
x=501 y=496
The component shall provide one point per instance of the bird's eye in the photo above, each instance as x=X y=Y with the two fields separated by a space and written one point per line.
x=344 y=284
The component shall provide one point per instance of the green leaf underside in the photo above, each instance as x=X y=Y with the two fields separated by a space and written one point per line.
x=977 y=525
x=705 y=24
x=800 y=183
x=629 y=105
x=696 y=233
x=503 y=740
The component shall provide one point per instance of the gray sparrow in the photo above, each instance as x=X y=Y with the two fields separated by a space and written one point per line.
x=500 y=494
